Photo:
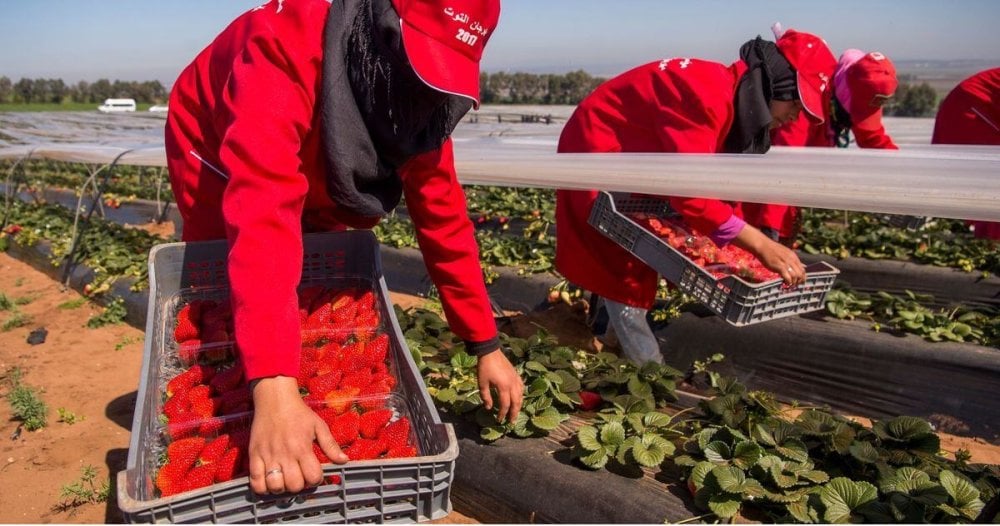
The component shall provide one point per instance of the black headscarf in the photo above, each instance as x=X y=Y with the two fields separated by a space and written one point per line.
x=769 y=77
x=375 y=112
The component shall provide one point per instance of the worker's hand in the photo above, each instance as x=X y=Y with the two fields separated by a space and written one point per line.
x=773 y=255
x=496 y=372
x=281 y=439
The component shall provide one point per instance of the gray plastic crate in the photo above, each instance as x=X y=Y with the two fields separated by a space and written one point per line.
x=907 y=222
x=735 y=300
x=393 y=490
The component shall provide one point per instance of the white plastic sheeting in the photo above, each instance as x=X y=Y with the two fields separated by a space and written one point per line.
x=940 y=181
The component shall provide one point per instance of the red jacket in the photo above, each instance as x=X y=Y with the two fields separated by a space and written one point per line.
x=675 y=106
x=247 y=107
x=802 y=132
x=970 y=114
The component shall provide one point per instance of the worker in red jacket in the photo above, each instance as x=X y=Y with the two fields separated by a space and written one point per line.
x=306 y=116
x=682 y=105
x=970 y=114
x=862 y=84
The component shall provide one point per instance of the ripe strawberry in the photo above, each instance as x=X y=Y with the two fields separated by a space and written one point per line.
x=183 y=425
x=396 y=434
x=320 y=385
x=345 y=428
x=589 y=400
x=184 y=452
x=200 y=401
x=188 y=351
x=227 y=379
x=309 y=295
x=215 y=332
x=373 y=422
x=374 y=396
x=343 y=310
x=340 y=400
x=366 y=302
x=194 y=375
x=228 y=466
x=221 y=313
x=358 y=379
x=170 y=479
x=319 y=319
x=186 y=328
x=213 y=451
x=199 y=477
x=366 y=323
x=320 y=456
x=174 y=406
x=401 y=452
x=211 y=427
x=364 y=449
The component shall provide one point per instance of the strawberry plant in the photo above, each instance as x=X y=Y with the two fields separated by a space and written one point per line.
x=820 y=467
x=623 y=438
x=26 y=403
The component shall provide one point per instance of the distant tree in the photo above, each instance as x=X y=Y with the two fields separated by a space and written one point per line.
x=24 y=91
x=6 y=90
x=913 y=101
x=81 y=92
x=100 y=90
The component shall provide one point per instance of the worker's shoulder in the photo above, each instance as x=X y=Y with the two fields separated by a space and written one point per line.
x=289 y=15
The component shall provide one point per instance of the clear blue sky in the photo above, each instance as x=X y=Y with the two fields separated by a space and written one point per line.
x=153 y=40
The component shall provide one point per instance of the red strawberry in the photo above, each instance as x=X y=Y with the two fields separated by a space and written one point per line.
x=330 y=361
x=319 y=319
x=376 y=350
x=373 y=422
x=589 y=400
x=183 y=425
x=185 y=451
x=227 y=467
x=320 y=456
x=213 y=451
x=358 y=379
x=345 y=428
x=176 y=405
x=401 y=452
x=366 y=302
x=343 y=310
x=201 y=402
x=170 y=479
x=396 y=434
x=188 y=351
x=227 y=379
x=319 y=386
x=366 y=323
x=364 y=449
x=199 y=477
x=196 y=374
x=215 y=332
x=374 y=396
x=187 y=329
x=211 y=427
x=340 y=400
x=333 y=479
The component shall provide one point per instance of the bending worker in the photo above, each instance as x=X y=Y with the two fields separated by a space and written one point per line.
x=683 y=105
x=308 y=116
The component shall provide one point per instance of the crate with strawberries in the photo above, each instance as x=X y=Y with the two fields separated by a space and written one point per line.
x=188 y=459
x=730 y=281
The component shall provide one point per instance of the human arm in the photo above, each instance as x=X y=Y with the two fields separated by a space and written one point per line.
x=265 y=112
x=436 y=203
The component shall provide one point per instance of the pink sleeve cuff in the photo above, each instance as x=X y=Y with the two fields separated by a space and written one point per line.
x=727 y=231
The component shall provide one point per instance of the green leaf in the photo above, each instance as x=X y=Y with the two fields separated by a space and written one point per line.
x=570 y=383
x=587 y=437
x=733 y=480
x=639 y=388
x=656 y=419
x=902 y=428
x=965 y=496
x=865 y=452
x=595 y=460
x=724 y=506
x=646 y=456
x=718 y=453
x=699 y=472
x=532 y=365
x=802 y=511
x=548 y=419
x=705 y=437
x=491 y=434
x=746 y=454
x=793 y=449
x=461 y=360
x=612 y=433
x=842 y=496
x=446 y=396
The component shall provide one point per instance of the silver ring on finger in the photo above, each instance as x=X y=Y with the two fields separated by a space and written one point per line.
x=275 y=471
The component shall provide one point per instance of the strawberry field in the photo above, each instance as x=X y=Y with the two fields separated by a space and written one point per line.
x=739 y=426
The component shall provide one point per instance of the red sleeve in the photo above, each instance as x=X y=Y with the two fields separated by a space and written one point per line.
x=436 y=203
x=697 y=128
x=874 y=137
x=267 y=110
x=795 y=133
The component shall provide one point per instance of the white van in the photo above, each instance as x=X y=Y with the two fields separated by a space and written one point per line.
x=117 y=105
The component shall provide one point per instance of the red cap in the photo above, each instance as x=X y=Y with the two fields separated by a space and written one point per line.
x=871 y=78
x=814 y=64
x=444 y=41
